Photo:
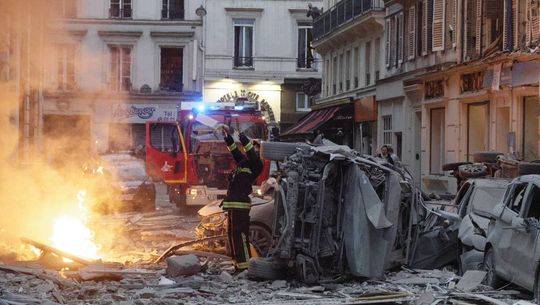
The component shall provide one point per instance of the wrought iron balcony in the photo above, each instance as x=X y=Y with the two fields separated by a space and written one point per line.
x=341 y=13
x=243 y=62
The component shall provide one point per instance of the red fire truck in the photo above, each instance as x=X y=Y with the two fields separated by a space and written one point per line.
x=190 y=156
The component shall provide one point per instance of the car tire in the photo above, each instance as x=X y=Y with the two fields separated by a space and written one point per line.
x=486 y=156
x=260 y=236
x=453 y=166
x=472 y=170
x=491 y=279
x=278 y=151
x=528 y=168
x=265 y=268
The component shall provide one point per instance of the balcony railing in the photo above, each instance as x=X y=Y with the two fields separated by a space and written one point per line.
x=305 y=62
x=342 y=12
x=243 y=62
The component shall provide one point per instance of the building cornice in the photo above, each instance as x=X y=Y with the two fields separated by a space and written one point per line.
x=135 y=34
x=157 y=34
x=244 y=9
x=134 y=22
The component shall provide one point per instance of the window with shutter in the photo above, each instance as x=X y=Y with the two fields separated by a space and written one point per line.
x=411 y=24
x=393 y=41
x=428 y=25
x=533 y=21
x=424 y=26
x=508 y=26
x=387 y=44
x=478 y=33
x=438 y=25
x=516 y=24
x=401 y=37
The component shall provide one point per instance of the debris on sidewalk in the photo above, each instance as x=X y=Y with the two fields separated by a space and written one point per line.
x=183 y=265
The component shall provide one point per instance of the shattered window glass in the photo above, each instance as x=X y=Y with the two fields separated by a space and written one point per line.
x=484 y=199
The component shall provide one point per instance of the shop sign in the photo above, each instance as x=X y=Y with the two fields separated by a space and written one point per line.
x=140 y=113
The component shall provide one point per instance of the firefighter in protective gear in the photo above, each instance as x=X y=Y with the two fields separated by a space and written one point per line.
x=237 y=203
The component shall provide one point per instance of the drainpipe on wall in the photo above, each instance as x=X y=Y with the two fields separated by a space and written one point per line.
x=201 y=12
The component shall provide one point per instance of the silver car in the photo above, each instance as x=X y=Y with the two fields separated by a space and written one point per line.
x=476 y=199
x=513 y=248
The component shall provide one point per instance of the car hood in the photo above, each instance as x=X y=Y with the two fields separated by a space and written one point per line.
x=130 y=184
x=467 y=234
x=213 y=207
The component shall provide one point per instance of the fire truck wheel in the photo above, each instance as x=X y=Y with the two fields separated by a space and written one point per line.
x=177 y=197
x=278 y=151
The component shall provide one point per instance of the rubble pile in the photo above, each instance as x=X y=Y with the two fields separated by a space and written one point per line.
x=151 y=284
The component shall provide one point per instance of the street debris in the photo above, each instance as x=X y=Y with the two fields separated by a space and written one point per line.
x=183 y=265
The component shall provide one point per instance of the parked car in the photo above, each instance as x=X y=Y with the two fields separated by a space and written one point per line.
x=121 y=183
x=475 y=200
x=213 y=220
x=512 y=250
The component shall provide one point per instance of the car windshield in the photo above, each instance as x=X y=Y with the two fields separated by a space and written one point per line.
x=484 y=199
x=129 y=172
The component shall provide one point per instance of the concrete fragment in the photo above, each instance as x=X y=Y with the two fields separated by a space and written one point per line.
x=278 y=284
x=146 y=293
x=182 y=265
x=225 y=277
x=163 y=281
x=470 y=280
x=417 y=280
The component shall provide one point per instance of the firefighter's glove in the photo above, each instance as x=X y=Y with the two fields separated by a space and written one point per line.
x=243 y=139
x=229 y=140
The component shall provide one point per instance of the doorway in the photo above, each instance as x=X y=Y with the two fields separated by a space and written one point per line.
x=437 y=140
x=503 y=128
x=530 y=128
x=477 y=128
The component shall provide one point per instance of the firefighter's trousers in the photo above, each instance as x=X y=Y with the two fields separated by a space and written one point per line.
x=238 y=234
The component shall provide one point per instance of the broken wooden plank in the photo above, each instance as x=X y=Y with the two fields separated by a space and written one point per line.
x=39 y=273
x=58 y=252
x=295 y=295
x=472 y=296
x=202 y=254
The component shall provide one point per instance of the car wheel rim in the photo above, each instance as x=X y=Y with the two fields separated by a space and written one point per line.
x=260 y=238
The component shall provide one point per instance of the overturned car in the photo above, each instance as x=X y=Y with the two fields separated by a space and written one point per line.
x=338 y=212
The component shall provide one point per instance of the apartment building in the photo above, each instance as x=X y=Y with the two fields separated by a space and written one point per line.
x=115 y=64
x=348 y=35
x=259 y=51
x=461 y=77
x=22 y=25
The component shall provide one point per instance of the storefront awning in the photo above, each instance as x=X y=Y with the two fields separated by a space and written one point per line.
x=312 y=121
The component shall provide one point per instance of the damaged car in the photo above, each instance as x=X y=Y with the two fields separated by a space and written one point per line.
x=512 y=250
x=338 y=212
x=213 y=220
x=476 y=199
x=121 y=184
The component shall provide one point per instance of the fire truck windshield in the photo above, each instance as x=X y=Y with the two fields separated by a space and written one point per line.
x=201 y=132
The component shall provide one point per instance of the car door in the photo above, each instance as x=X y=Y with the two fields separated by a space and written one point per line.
x=166 y=156
x=525 y=240
x=500 y=235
